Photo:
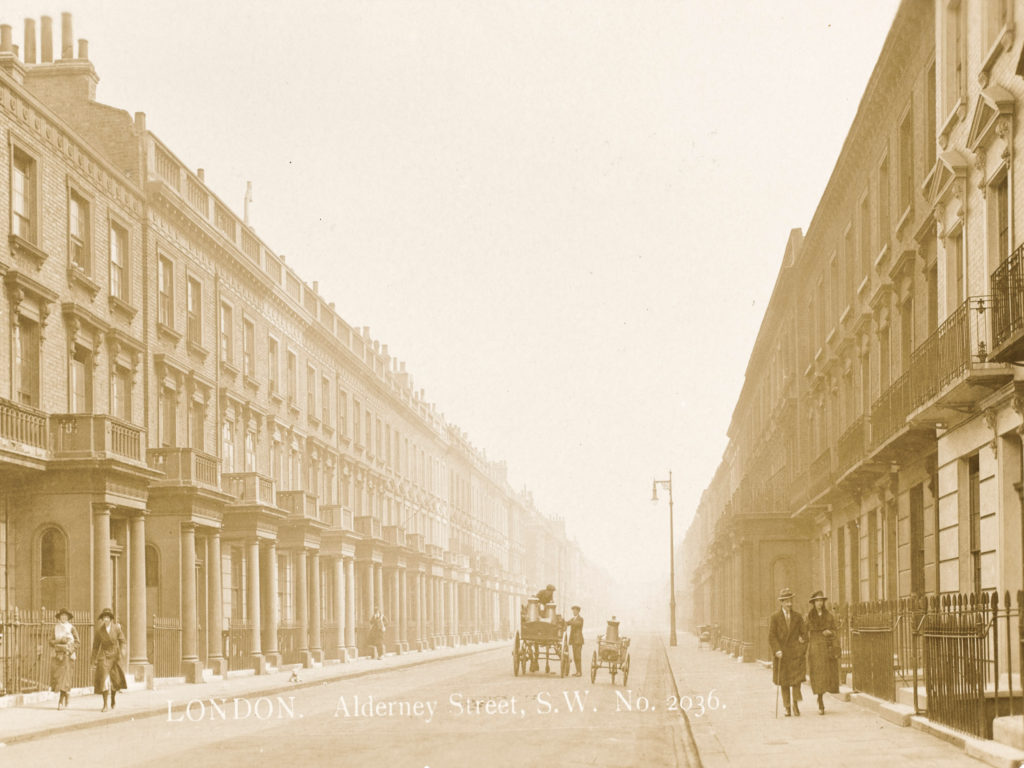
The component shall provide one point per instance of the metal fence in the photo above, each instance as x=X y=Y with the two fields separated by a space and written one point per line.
x=290 y=642
x=238 y=645
x=163 y=637
x=26 y=654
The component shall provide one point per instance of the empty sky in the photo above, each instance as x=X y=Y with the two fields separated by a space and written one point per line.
x=565 y=217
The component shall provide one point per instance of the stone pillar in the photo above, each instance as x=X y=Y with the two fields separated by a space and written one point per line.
x=378 y=588
x=191 y=666
x=350 y=608
x=272 y=620
x=369 y=590
x=215 y=607
x=455 y=613
x=421 y=635
x=253 y=600
x=102 y=580
x=302 y=607
x=395 y=612
x=315 y=641
x=339 y=608
x=403 y=608
x=138 y=663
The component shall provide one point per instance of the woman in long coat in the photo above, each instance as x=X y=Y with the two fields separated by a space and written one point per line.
x=65 y=647
x=108 y=646
x=377 y=627
x=822 y=650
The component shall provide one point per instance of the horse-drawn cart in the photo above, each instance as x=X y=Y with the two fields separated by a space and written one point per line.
x=612 y=653
x=541 y=636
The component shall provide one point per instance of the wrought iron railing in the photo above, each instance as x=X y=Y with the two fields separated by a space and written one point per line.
x=820 y=476
x=852 y=444
x=26 y=653
x=291 y=642
x=164 y=646
x=1008 y=297
x=962 y=341
x=238 y=645
x=889 y=412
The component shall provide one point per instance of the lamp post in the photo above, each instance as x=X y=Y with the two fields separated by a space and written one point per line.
x=672 y=552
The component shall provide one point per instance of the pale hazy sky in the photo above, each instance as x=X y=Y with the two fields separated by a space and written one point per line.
x=566 y=217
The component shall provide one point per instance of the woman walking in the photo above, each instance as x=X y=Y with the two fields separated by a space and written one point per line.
x=107 y=653
x=65 y=650
x=822 y=650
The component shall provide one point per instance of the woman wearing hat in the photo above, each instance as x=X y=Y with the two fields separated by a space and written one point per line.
x=65 y=650
x=822 y=649
x=788 y=640
x=108 y=645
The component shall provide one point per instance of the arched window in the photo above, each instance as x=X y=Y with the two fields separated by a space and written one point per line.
x=53 y=569
x=152 y=581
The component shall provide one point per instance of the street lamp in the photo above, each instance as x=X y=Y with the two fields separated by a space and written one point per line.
x=672 y=552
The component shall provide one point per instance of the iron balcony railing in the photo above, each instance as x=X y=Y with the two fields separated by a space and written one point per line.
x=1008 y=298
x=852 y=444
x=820 y=473
x=890 y=411
x=962 y=341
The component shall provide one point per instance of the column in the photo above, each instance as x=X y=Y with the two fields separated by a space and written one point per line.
x=191 y=666
x=253 y=600
x=421 y=634
x=315 y=641
x=378 y=587
x=453 y=608
x=369 y=590
x=403 y=608
x=302 y=607
x=395 y=610
x=138 y=663
x=272 y=620
x=215 y=606
x=350 y=607
x=339 y=608
x=102 y=595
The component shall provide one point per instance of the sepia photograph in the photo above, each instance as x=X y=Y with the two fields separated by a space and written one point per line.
x=513 y=384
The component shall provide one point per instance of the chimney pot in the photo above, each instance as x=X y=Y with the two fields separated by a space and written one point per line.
x=316 y=286
x=201 y=173
x=140 y=121
x=5 y=38
x=30 y=41
x=83 y=49
x=67 y=39
x=46 y=40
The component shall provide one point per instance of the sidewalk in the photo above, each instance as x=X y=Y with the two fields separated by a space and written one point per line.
x=32 y=721
x=740 y=728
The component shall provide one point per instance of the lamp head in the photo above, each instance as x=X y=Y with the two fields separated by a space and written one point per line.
x=654 y=492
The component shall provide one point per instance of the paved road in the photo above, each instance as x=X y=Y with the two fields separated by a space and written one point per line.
x=458 y=712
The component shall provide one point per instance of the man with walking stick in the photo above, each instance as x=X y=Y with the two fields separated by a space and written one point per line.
x=787 y=638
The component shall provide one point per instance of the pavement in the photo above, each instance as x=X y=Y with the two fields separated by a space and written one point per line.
x=731 y=710
x=170 y=698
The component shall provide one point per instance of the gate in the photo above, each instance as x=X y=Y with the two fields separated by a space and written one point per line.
x=871 y=636
x=165 y=646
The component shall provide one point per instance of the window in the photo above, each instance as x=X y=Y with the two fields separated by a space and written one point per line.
x=930 y=137
x=168 y=417
x=23 y=201
x=917 y=551
x=957 y=254
x=121 y=393
x=883 y=358
x=228 y=445
x=198 y=418
x=311 y=391
x=356 y=418
x=953 y=55
x=293 y=384
x=369 y=432
x=834 y=290
x=1001 y=219
x=273 y=364
x=152 y=580
x=906 y=332
x=906 y=177
x=325 y=401
x=194 y=302
x=250 y=449
x=26 y=361
x=118 y=262
x=53 y=569
x=227 y=350
x=996 y=16
x=342 y=413
x=854 y=537
x=165 y=292
x=865 y=238
x=974 y=515
x=80 y=386
x=850 y=255
x=249 y=348
x=78 y=232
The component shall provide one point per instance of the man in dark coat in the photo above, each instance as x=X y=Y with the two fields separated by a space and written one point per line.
x=787 y=637
x=575 y=625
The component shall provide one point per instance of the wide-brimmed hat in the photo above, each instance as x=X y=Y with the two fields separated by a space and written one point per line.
x=106 y=612
x=574 y=608
x=65 y=612
x=819 y=595
x=786 y=594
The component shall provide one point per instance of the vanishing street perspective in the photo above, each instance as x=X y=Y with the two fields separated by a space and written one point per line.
x=233 y=531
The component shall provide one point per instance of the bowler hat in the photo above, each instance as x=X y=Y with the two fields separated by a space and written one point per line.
x=786 y=594
x=65 y=612
x=574 y=607
x=106 y=612
x=819 y=595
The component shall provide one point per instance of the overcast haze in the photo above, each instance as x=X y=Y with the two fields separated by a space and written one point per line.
x=565 y=217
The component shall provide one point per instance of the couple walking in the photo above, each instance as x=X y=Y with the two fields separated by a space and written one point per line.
x=801 y=647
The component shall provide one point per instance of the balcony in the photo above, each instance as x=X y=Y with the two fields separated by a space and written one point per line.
x=952 y=370
x=368 y=526
x=852 y=445
x=94 y=436
x=250 y=488
x=819 y=474
x=414 y=541
x=394 y=535
x=185 y=466
x=23 y=430
x=433 y=551
x=337 y=516
x=299 y=504
x=1008 y=309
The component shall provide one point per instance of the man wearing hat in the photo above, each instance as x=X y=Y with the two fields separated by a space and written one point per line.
x=822 y=649
x=787 y=637
x=546 y=595
x=575 y=625
x=108 y=644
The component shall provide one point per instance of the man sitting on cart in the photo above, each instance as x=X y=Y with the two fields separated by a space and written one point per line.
x=546 y=595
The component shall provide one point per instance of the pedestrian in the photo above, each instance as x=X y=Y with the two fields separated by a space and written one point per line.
x=822 y=649
x=108 y=646
x=787 y=638
x=65 y=651
x=377 y=626
x=575 y=625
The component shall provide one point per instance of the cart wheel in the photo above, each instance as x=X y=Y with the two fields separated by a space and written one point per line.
x=593 y=668
x=515 y=657
x=625 y=670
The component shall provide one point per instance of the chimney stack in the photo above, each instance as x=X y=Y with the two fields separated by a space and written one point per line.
x=201 y=173
x=5 y=39
x=67 y=39
x=30 y=41
x=83 y=50
x=46 y=40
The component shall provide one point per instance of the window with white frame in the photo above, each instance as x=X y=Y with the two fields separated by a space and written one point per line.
x=194 y=310
x=118 y=262
x=953 y=54
x=24 y=185
x=79 y=250
x=165 y=292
